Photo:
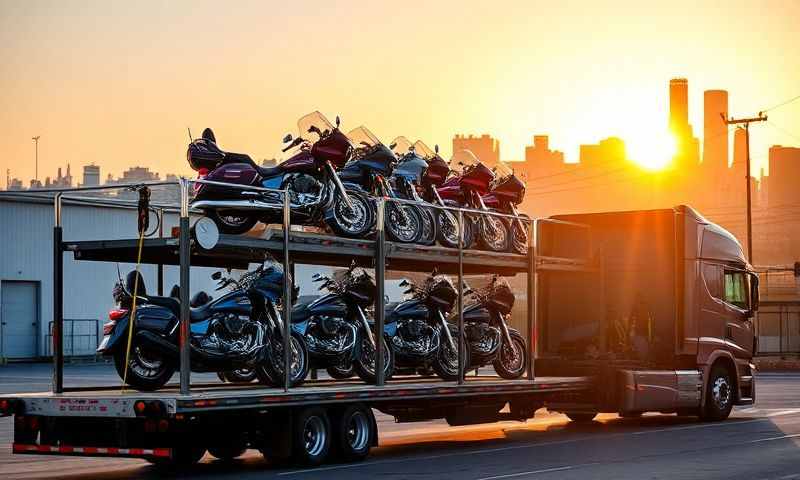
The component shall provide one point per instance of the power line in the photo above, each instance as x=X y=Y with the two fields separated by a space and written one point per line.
x=782 y=104
x=786 y=132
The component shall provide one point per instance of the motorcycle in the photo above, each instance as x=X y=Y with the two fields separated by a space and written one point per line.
x=405 y=179
x=418 y=329
x=505 y=193
x=372 y=163
x=489 y=337
x=466 y=188
x=336 y=330
x=317 y=195
x=241 y=330
x=432 y=178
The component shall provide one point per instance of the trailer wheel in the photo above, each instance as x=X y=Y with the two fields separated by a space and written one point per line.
x=226 y=453
x=719 y=394
x=311 y=436
x=581 y=417
x=352 y=433
x=181 y=457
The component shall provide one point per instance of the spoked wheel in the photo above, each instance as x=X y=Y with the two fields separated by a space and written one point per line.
x=352 y=222
x=147 y=369
x=512 y=360
x=446 y=362
x=365 y=363
x=519 y=236
x=429 y=223
x=353 y=433
x=231 y=221
x=298 y=362
x=311 y=436
x=403 y=222
x=493 y=233
x=447 y=224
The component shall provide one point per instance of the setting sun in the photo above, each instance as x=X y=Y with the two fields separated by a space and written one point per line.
x=652 y=152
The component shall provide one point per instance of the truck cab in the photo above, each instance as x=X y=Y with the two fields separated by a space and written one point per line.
x=665 y=318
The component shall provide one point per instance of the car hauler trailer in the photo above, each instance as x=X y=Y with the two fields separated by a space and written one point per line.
x=325 y=419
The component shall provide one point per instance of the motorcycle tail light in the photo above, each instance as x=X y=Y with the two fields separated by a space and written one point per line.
x=117 y=313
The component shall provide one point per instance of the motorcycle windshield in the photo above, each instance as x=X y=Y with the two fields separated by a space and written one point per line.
x=423 y=150
x=462 y=160
x=362 y=137
x=502 y=171
x=316 y=123
x=402 y=146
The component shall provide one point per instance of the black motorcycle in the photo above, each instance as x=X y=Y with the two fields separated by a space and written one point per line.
x=490 y=338
x=420 y=335
x=368 y=170
x=336 y=330
x=241 y=330
x=317 y=195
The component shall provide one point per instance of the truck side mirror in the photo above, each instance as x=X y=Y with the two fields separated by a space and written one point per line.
x=754 y=295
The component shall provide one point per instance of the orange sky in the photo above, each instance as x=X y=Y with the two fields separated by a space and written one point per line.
x=117 y=83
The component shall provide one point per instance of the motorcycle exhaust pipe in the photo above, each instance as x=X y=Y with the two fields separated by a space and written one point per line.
x=235 y=205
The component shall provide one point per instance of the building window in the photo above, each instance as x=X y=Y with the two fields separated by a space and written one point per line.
x=737 y=289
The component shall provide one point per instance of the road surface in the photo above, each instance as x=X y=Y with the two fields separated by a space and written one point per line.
x=762 y=442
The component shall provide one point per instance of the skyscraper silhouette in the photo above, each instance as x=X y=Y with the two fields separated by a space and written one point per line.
x=688 y=147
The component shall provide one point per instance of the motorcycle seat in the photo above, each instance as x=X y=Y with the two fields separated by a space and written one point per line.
x=301 y=312
x=200 y=313
x=269 y=172
x=388 y=313
x=170 y=303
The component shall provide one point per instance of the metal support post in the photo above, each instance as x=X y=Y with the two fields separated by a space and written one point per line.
x=288 y=282
x=461 y=366
x=185 y=259
x=160 y=270
x=380 y=278
x=532 y=292
x=58 y=300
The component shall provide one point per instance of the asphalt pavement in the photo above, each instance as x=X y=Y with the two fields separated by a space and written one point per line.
x=760 y=442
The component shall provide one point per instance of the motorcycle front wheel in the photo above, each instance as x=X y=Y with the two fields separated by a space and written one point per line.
x=446 y=362
x=353 y=222
x=365 y=363
x=232 y=222
x=341 y=372
x=447 y=229
x=403 y=222
x=518 y=236
x=493 y=233
x=272 y=371
x=242 y=375
x=429 y=230
x=147 y=370
x=512 y=360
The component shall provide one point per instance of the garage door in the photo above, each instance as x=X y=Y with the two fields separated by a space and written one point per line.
x=19 y=319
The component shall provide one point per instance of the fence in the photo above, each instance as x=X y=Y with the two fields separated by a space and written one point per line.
x=80 y=337
x=778 y=328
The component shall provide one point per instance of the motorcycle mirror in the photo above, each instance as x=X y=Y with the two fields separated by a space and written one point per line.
x=287 y=138
x=315 y=276
x=338 y=121
x=392 y=145
x=216 y=275
x=436 y=148
x=403 y=283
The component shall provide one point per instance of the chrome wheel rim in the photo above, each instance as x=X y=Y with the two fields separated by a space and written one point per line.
x=448 y=225
x=498 y=240
x=314 y=435
x=357 y=431
x=233 y=220
x=721 y=392
x=512 y=357
x=144 y=365
x=405 y=231
x=353 y=221
x=368 y=356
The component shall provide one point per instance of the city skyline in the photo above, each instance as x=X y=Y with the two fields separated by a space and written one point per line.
x=458 y=74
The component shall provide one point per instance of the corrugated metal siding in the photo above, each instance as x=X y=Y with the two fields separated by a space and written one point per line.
x=26 y=253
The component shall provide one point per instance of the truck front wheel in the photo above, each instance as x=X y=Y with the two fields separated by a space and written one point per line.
x=719 y=395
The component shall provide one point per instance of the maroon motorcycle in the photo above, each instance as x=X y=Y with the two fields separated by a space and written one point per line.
x=506 y=192
x=317 y=195
x=465 y=188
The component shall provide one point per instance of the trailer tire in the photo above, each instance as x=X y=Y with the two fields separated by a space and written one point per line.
x=581 y=417
x=182 y=457
x=720 y=393
x=352 y=433
x=311 y=436
x=226 y=453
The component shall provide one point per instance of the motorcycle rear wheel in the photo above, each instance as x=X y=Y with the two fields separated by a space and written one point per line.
x=147 y=370
x=341 y=372
x=231 y=222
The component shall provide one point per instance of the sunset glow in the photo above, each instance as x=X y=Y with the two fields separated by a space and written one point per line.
x=652 y=151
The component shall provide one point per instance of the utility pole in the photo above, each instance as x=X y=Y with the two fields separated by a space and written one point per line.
x=746 y=122
x=36 y=141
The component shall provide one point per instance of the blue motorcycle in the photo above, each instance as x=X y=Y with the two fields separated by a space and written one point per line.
x=240 y=330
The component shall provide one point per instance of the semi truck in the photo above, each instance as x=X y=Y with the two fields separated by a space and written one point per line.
x=628 y=312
